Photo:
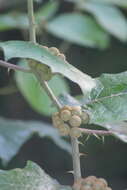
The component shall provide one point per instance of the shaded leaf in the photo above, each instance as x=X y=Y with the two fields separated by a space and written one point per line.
x=108 y=17
x=23 y=49
x=13 y=20
x=47 y=11
x=13 y=134
x=35 y=95
x=31 y=177
x=79 y=29
x=108 y=101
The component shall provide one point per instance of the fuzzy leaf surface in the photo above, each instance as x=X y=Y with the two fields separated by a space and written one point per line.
x=32 y=177
x=22 y=49
x=108 y=101
x=109 y=17
x=78 y=28
x=13 y=134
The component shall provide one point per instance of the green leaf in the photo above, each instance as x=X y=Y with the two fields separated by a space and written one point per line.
x=47 y=11
x=122 y=3
x=108 y=103
x=13 y=20
x=108 y=17
x=15 y=133
x=119 y=129
x=35 y=95
x=31 y=177
x=23 y=49
x=78 y=28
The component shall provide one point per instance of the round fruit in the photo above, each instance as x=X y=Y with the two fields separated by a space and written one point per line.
x=64 y=129
x=65 y=115
x=103 y=181
x=85 y=117
x=75 y=121
x=75 y=132
x=54 y=51
x=62 y=56
x=76 y=110
x=66 y=108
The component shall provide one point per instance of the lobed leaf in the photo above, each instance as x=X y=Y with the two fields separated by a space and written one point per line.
x=31 y=177
x=109 y=17
x=13 y=134
x=79 y=29
x=24 y=49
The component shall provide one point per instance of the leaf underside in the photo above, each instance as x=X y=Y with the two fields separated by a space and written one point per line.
x=14 y=133
x=32 y=177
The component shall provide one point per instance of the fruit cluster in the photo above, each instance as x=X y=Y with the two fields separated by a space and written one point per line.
x=69 y=119
x=91 y=183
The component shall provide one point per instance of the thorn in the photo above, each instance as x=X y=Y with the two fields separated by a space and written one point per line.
x=103 y=139
x=96 y=136
x=80 y=143
x=82 y=154
x=70 y=172
x=9 y=70
x=87 y=138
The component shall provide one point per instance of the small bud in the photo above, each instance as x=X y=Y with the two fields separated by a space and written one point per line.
x=85 y=117
x=75 y=132
x=62 y=56
x=64 y=129
x=75 y=121
x=65 y=115
x=54 y=51
x=56 y=120
x=76 y=110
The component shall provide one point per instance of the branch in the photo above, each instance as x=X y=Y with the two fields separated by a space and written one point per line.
x=44 y=84
x=13 y=67
x=97 y=132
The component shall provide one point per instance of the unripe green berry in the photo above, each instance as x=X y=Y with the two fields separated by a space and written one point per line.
x=75 y=121
x=85 y=117
x=75 y=132
x=64 y=129
x=65 y=115
x=76 y=110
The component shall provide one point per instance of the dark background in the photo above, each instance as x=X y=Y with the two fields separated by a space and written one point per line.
x=108 y=159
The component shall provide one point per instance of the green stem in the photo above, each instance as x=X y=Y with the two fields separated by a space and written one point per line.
x=32 y=25
x=44 y=84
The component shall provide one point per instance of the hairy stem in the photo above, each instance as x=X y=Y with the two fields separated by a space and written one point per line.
x=96 y=132
x=32 y=25
x=44 y=84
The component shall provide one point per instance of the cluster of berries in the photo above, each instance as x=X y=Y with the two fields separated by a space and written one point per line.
x=69 y=119
x=91 y=183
